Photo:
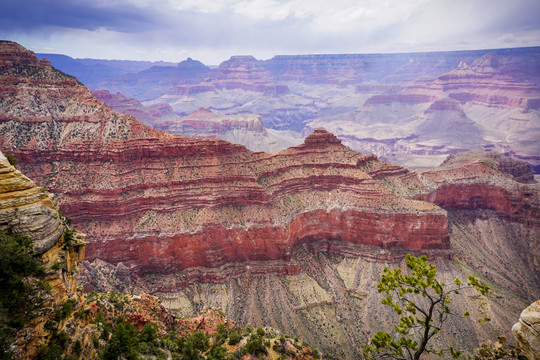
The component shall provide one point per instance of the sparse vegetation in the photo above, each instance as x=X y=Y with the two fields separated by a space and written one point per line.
x=12 y=159
x=19 y=284
x=155 y=342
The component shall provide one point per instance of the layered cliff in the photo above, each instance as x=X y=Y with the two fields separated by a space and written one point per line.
x=207 y=202
x=489 y=105
x=31 y=212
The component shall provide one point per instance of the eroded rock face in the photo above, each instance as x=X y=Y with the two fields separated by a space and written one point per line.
x=527 y=331
x=26 y=210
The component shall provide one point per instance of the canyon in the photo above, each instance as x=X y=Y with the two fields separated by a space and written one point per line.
x=246 y=129
x=412 y=109
x=296 y=239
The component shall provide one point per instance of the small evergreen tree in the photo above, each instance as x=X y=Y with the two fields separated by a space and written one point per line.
x=423 y=303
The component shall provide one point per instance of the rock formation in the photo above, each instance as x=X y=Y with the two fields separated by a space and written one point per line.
x=483 y=106
x=223 y=202
x=243 y=129
x=63 y=323
x=154 y=116
x=26 y=210
x=156 y=80
x=527 y=331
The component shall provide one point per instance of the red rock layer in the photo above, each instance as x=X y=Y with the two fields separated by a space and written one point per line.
x=474 y=180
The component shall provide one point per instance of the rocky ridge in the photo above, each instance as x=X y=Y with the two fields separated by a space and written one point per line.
x=245 y=129
x=26 y=210
x=413 y=109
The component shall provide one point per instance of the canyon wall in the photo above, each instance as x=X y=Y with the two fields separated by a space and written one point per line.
x=206 y=202
x=411 y=108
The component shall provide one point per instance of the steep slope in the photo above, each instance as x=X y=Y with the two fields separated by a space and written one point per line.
x=26 y=210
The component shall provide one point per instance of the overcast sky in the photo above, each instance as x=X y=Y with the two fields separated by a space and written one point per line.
x=213 y=30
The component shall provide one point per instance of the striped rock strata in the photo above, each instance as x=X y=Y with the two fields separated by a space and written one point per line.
x=26 y=210
x=162 y=203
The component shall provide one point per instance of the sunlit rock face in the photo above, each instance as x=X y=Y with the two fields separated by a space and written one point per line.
x=527 y=331
x=26 y=210
x=30 y=211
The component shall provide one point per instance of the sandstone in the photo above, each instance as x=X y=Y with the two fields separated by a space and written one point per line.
x=473 y=180
x=527 y=331
x=26 y=210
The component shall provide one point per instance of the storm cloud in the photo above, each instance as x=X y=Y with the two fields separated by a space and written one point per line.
x=213 y=30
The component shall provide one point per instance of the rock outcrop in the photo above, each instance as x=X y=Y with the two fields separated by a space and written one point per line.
x=475 y=180
x=26 y=210
x=527 y=331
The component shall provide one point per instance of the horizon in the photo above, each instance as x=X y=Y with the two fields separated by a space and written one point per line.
x=214 y=30
x=286 y=55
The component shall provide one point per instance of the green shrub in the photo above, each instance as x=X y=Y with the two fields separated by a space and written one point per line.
x=234 y=337
x=18 y=298
x=216 y=352
x=255 y=345
x=64 y=310
x=69 y=236
x=123 y=342
x=56 y=266
x=12 y=159
x=200 y=341
x=149 y=333
x=221 y=334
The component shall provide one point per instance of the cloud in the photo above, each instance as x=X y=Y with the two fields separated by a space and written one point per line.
x=37 y=15
x=217 y=29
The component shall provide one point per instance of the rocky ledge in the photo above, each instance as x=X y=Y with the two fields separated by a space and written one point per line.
x=26 y=210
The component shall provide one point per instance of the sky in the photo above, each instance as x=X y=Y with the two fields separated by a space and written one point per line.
x=213 y=30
